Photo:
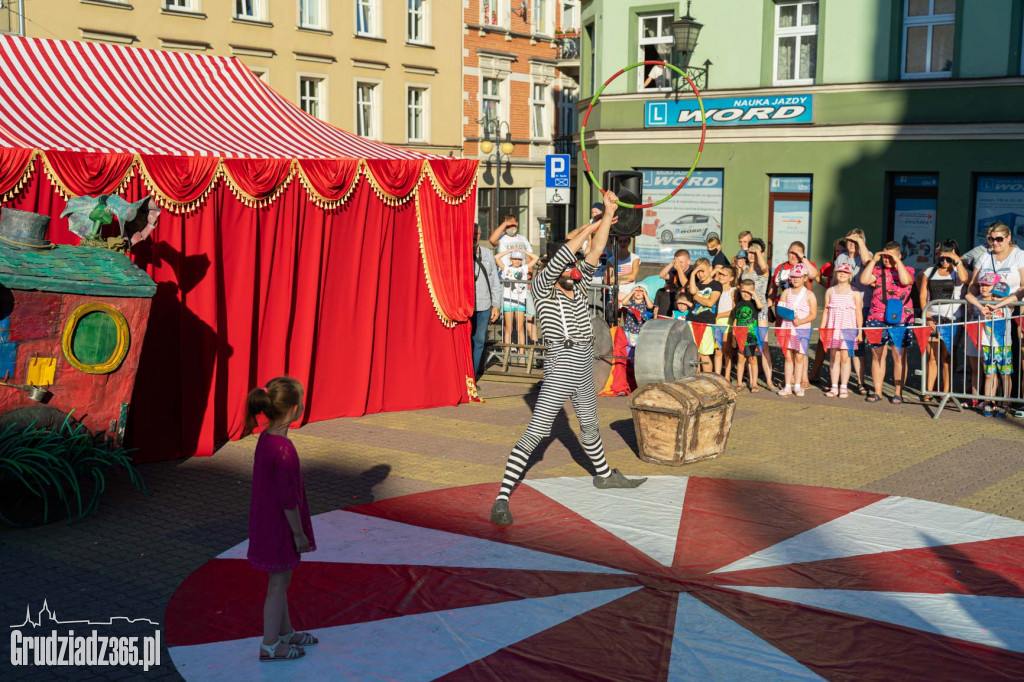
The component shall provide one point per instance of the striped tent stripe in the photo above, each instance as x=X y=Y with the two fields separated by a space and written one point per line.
x=93 y=97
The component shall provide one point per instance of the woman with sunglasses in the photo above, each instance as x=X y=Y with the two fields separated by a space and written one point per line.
x=892 y=280
x=1002 y=257
x=944 y=280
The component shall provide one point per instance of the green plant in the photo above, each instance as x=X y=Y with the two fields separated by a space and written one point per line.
x=47 y=464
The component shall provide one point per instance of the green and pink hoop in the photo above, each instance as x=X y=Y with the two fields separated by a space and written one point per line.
x=700 y=147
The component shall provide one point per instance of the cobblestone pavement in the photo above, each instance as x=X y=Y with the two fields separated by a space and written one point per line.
x=129 y=558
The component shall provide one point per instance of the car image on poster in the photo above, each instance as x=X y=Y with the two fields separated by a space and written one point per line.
x=683 y=222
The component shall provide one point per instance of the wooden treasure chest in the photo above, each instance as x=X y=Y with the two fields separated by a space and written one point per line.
x=683 y=421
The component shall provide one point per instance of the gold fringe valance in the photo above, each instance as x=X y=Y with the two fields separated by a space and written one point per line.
x=26 y=174
x=445 y=320
x=172 y=205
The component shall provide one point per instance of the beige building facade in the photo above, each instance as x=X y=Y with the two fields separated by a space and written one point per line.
x=390 y=70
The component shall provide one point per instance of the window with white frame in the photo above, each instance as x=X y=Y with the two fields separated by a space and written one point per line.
x=250 y=9
x=539 y=108
x=416 y=21
x=366 y=109
x=541 y=17
x=490 y=99
x=311 y=13
x=494 y=12
x=312 y=95
x=655 y=45
x=183 y=5
x=366 y=17
x=567 y=114
x=796 y=42
x=570 y=15
x=928 y=38
x=416 y=114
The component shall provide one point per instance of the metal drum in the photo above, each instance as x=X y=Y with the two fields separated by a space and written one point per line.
x=664 y=352
x=603 y=351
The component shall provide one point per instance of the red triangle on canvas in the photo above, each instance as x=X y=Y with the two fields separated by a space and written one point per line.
x=973 y=331
x=825 y=334
x=782 y=336
x=741 y=336
x=922 y=334
x=873 y=334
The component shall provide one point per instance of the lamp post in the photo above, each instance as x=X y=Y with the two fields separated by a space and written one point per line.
x=501 y=134
x=685 y=31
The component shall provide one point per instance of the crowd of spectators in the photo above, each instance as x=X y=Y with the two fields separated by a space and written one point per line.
x=867 y=307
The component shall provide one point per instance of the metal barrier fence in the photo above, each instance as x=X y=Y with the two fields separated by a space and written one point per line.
x=528 y=351
x=969 y=361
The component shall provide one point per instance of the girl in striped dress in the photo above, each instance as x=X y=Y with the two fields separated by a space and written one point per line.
x=844 y=311
x=801 y=301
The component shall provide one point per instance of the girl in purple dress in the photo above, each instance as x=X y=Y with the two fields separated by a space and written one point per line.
x=280 y=528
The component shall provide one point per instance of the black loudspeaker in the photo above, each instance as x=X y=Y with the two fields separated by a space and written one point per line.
x=629 y=186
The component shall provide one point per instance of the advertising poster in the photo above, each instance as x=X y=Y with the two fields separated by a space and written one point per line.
x=685 y=220
x=791 y=222
x=999 y=197
x=914 y=230
x=735 y=111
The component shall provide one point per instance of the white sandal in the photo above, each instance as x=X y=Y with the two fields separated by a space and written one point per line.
x=305 y=639
x=833 y=392
x=294 y=653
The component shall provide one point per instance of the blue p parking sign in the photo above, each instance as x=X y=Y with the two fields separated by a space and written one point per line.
x=556 y=170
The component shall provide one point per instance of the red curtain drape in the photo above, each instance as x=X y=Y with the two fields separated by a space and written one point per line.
x=335 y=298
x=90 y=172
x=12 y=166
x=182 y=179
x=448 y=249
x=397 y=178
x=257 y=178
x=331 y=178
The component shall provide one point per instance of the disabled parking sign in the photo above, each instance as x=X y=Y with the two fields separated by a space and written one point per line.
x=556 y=170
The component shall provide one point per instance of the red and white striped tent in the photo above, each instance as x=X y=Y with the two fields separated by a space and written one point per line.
x=259 y=276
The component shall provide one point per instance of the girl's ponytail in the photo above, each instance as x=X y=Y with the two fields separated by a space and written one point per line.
x=273 y=402
x=256 y=403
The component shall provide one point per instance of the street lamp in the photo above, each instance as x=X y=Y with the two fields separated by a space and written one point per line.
x=685 y=31
x=499 y=131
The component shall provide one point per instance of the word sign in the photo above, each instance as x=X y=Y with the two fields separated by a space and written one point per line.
x=556 y=170
x=731 y=111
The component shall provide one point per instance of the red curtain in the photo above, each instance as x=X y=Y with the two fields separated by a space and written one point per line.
x=12 y=166
x=448 y=247
x=90 y=173
x=257 y=177
x=181 y=178
x=397 y=178
x=330 y=178
x=337 y=299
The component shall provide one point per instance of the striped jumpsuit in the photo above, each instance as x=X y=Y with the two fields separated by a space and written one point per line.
x=568 y=368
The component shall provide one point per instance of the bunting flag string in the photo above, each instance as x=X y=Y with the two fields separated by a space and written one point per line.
x=946 y=336
x=850 y=340
x=973 y=331
x=740 y=336
x=803 y=335
x=923 y=334
x=719 y=332
x=896 y=335
x=782 y=336
x=826 y=334
x=761 y=333
x=998 y=332
x=698 y=329
x=874 y=334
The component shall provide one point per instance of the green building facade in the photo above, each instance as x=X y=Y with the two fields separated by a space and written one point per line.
x=904 y=118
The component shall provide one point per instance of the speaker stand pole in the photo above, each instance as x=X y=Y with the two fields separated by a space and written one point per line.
x=615 y=282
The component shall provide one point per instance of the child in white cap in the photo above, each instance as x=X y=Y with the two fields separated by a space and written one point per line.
x=798 y=299
x=844 y=314
x=514 y=278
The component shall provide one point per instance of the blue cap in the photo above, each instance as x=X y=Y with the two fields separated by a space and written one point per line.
x=598 y=205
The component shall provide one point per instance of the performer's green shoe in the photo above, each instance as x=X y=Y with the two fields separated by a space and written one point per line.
x=500 y=513
x=615 y=480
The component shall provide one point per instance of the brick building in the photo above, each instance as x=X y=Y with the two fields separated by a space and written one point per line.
x=520 y=67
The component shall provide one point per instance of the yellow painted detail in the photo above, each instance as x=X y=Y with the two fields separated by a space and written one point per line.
x=123 y=337
x=40 y=371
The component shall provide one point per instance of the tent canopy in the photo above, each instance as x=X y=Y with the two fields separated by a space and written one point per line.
x=107 y=98
x=289 y=246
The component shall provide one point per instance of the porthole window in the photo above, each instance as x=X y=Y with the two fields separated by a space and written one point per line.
x=96 y=338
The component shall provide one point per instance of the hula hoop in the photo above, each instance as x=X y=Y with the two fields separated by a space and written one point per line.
x=700 y=147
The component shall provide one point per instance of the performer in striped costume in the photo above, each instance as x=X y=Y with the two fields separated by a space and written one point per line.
x=560 y=296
